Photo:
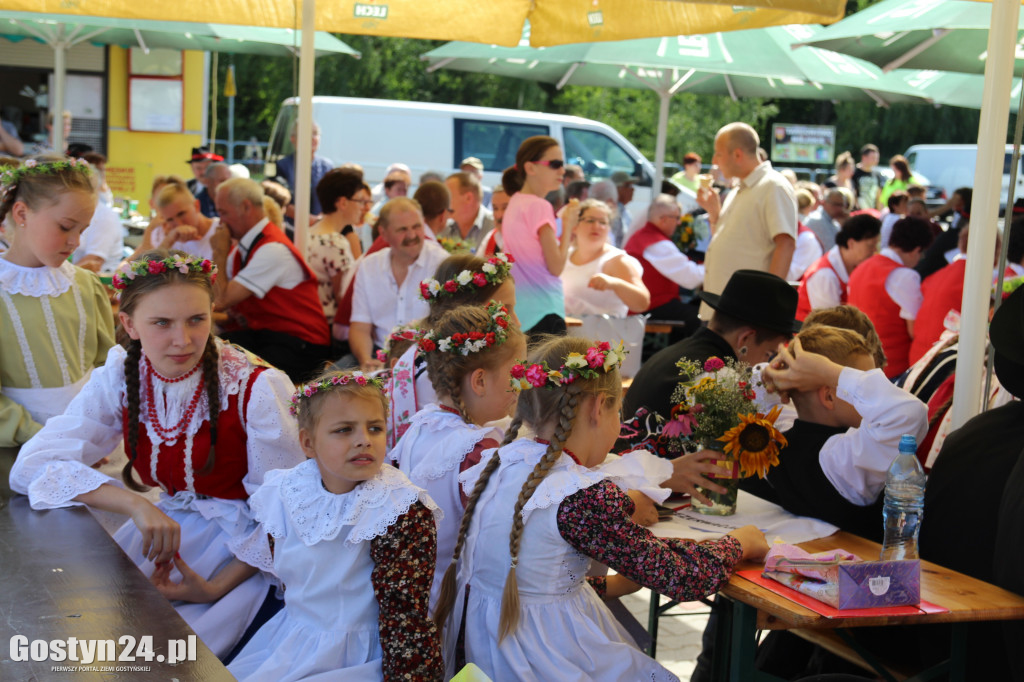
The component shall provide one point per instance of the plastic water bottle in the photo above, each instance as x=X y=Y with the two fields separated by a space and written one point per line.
x=904 y=503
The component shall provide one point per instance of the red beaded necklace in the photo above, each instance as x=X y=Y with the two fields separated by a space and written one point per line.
x=161 y=377
x=566 y=451
x=170 y=434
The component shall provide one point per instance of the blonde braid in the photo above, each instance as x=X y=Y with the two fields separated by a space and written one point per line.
x=567 y=404
x=446 y=598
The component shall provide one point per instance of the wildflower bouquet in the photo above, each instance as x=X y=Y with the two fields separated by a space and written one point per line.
x=685 y=236
x=714 y=407
x=452 y=245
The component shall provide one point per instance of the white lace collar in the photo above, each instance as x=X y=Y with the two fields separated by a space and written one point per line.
x=41 y=281
x=634 y=471
x=365 y=513
x=449 y=437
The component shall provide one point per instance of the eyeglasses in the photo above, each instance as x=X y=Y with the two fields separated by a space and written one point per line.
x=553 y=164
x=364 y=202
x=598 y=221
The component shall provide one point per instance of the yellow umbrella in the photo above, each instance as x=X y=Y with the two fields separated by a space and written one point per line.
x=498 y=22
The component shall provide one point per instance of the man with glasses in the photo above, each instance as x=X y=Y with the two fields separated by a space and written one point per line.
x=666 y=268
x=826 y=220
x=286 y=171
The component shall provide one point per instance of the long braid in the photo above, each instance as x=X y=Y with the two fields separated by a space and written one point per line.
x=8 y=202
x=132 y=398
x=447 y=377
x=446 y=598
x=567 y=404
x=211 y=376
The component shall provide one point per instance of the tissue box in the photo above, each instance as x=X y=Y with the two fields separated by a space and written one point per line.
x=857 y=585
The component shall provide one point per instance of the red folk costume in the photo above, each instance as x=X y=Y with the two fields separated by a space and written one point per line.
x=867 y=292
x=296 y=311
x=803 y=307
x=255 y=434
x=661 y=287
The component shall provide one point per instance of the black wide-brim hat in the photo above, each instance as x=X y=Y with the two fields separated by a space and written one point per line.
x=758 y=298
x=1007 y=335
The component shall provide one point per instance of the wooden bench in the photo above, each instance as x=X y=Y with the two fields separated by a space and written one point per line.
x=63 y=576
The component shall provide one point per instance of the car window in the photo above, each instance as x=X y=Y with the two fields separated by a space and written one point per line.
x=599 y=155
x=495 y=143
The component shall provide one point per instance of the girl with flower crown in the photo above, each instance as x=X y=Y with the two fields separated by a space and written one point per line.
x=461 y=279
x=530 y=609
x=470 y=352
x=353 y=542
x=57 y=320
x=199 y=418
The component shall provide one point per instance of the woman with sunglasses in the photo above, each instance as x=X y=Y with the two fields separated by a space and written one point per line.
x=530 y=231
x=333 y=245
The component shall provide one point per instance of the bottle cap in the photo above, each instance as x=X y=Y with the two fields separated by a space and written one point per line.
x=908 y=444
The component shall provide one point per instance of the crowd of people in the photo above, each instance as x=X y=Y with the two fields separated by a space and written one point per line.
x=394 y=417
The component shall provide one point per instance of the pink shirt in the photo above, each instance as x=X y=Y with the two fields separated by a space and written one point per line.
x=538 y=292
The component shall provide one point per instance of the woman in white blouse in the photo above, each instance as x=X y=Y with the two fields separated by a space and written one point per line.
x=599 y=278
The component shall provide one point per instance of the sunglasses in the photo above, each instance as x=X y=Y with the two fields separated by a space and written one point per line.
x=553 y=164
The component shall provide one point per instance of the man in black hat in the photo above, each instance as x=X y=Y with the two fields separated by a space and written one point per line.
x=202 y=157
x=753 y=315
x=973 y=510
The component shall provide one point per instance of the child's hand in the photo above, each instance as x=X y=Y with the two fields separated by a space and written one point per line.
x=192 y=588
x=689 y=471
x=752 y=539
x=795 y=369
x=570 y=216
x=645 y=513
x=161 y=535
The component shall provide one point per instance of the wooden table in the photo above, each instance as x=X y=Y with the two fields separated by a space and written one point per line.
x=62 y=576
x=748 y=607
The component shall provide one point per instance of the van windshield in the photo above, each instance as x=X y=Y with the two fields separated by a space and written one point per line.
x=280 y=141
x=600 y=156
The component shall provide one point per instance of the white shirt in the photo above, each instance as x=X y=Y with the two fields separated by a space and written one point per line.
x=104 y=238
x=760 y=209
x=824 y=288
x=888 y=220
x=904 y=287
x=857 y=461
x=379 y=300
x=273 y=265
x=673 y=263
x=808 y=251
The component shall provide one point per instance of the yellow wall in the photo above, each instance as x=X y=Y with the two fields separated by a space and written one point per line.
x=135 y=158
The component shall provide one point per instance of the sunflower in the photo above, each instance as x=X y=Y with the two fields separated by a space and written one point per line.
x=755 y=442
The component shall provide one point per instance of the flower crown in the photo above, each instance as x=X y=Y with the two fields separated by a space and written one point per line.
x=474 y=341
x=494 y=271
x=312 y=388
x=12 y=176
x=141 y=268
x=540 y=375
x=399 y=333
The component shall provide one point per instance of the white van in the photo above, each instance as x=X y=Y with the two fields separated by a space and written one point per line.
x=952 y=165
x=436 y=137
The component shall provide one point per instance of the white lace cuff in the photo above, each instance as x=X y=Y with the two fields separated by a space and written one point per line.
x=640 y=470
x=59 y=482
x=254 y=549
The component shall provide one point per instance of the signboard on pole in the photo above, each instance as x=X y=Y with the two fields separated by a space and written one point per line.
x=804 y=144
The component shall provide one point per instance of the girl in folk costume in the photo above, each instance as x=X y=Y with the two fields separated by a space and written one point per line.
x=461 y=279
x=470 y=352
x=559 y=513
x=57 y=325
x=199 y=418
x=353 y=542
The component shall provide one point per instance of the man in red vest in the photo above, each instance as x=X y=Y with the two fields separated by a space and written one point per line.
x=266 y=286
x=666 y=268
x=887 y=289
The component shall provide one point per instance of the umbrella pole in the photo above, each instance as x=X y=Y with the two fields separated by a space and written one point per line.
x=995 y=114
x=1018 y=130
x=57 y=96
x=662 y=139
x=304 y=134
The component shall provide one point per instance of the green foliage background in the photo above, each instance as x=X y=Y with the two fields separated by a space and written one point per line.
x=390 y=68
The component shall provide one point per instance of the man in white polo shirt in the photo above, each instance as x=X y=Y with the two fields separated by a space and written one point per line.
x=756 y=228
x=387 y=283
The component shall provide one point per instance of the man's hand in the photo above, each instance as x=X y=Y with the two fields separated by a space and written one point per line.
x=220 y=242
x=689 y=471
x=708 y=199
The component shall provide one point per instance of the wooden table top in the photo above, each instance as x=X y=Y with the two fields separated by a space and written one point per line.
x=967 y=598
x=63 y=576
